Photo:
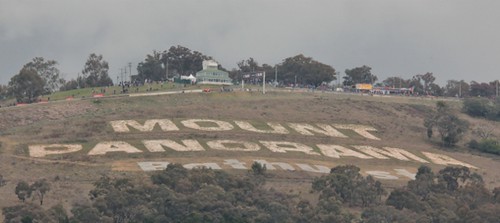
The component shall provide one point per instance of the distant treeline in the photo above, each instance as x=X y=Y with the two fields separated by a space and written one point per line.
x=41 y=76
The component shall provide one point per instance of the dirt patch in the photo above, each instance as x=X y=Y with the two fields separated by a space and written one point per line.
x=29 y=114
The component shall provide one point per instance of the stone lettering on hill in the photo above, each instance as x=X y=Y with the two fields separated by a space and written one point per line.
x=332 y=151
x=53 y=149
x=149 y=125
x=274 y=166
x=122 y=126
x=159 y=145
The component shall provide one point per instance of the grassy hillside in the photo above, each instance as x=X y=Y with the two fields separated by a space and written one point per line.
x=398 y=121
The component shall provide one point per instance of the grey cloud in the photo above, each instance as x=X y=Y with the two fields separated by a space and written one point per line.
x=455 y=39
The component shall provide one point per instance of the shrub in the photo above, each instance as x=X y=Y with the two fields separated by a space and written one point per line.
x=258 y=168
x=486 y=145
x=449 y=126
x=490 y=146
x=477 y=107
x=482 y=107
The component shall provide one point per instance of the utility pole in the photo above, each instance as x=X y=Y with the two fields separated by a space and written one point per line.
x=121 y=74
x=130 y=71
x=264 y=83
x=276 y=74
x=338 y=78
x=166 y=70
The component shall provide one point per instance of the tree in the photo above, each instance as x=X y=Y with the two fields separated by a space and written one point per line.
x=23 y=190
x=347 y=185
x=304 y=70
x=482 y=89
x=456 y=88
x=26 y=213
x=387 y=214
x=396 y=82
x=248 y=65
x=449 y=126
x=182 y=61
x=40 y=187
x=417 y=85
x=359 y=75
x=405 y=199
x=424 y=84
x=26 y=86
x=151 y=68
x=48 y=71
x=85 y=214
x=428 y=79
x=4 y=91
x=69 y=85
x=423 y=183
x=95 y=72
x=245 y=66
x=435 y=89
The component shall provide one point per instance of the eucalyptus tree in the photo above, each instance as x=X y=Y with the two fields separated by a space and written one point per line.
x=95 y=71
x=48 y=71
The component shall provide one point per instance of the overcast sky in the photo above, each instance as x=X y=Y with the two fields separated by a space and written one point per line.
x=454 y=39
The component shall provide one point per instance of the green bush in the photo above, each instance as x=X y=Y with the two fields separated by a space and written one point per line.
x=486 y=145
x=482 y=107
x=477 y=107
x=258 y=168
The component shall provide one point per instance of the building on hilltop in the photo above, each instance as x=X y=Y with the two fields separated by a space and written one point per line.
x=212 y=75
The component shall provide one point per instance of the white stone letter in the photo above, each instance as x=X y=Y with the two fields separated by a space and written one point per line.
x=336 y=151
x=382 y=175
x=406 y=173
x=306 y=129
x=219 y=125
x=152 y=166
x=308 y=168
x=270 y=165
x=283 y=147
x=276 y=127
x=360 y=129
x=235 y=164
x=396 y=153
x=445 y=160
x=43 y=150
x=233 y=145
x=149 y=125
x=158 y=145
x=116 y=146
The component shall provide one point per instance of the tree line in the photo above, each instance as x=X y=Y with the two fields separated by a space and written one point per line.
x=41 y=76
x=454 y=194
